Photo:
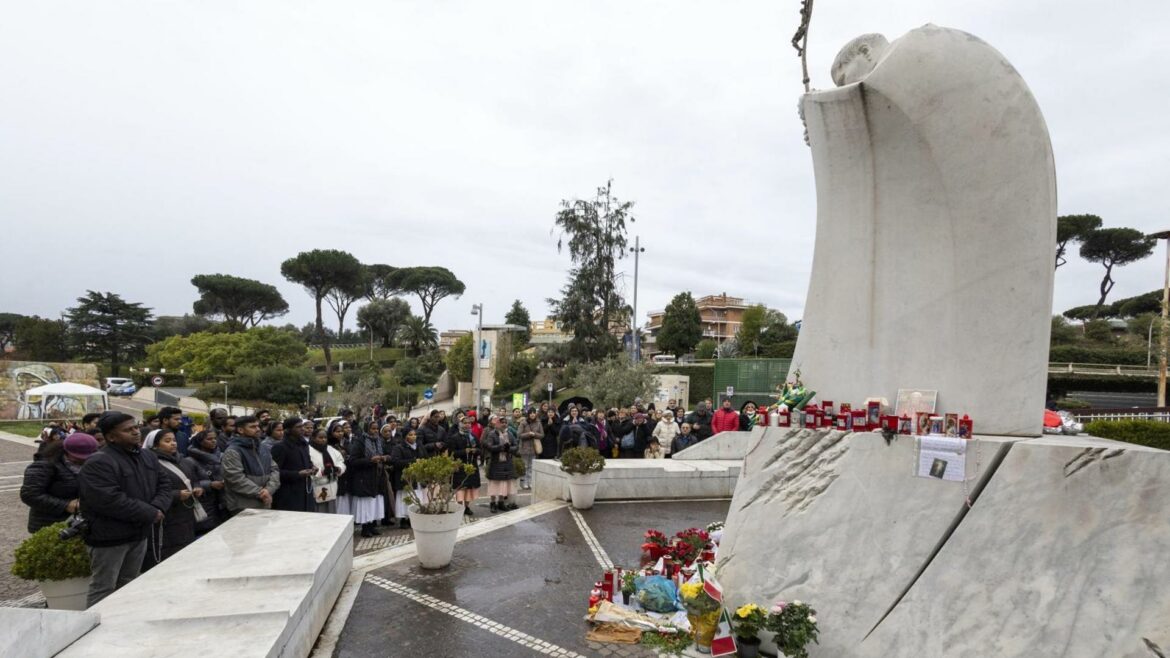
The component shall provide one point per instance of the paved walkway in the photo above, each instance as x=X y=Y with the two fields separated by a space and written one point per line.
x=15 y=453
x=519 y=588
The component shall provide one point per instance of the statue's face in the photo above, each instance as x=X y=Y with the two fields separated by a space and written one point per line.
x=858 y=58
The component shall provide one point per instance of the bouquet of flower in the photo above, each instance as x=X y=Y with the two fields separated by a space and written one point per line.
x=688 y=544
x=655 y=546
x=748 y=621
x=794 y=625
x=696 y=599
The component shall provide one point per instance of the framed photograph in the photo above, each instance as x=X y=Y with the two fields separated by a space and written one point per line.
x=937 y=425
x=938 y=468
x=922 y=423
x=912 y=401
x=952 y=425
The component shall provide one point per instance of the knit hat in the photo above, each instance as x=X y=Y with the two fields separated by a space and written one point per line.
x=80 y=445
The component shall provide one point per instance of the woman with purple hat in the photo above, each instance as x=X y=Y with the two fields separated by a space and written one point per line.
x=50 y=483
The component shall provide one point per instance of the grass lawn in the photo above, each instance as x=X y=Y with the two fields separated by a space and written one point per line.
x=355 y=355
x=29 y=428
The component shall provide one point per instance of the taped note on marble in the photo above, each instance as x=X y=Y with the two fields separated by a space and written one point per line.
x=942 y=458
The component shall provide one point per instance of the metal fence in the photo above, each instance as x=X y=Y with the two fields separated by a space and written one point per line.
x=751 y=379
x=1160 y=414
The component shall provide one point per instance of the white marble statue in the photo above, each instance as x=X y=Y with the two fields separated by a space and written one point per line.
x=936 y=220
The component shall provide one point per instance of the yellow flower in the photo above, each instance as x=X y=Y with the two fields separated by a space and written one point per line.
x=691 y=590
x=745 y=611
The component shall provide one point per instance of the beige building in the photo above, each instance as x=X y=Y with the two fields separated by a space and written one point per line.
x=720 y=314
x=448 y=338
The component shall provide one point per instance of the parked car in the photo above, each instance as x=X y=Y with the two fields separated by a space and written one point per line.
x=126 y=389
x=112 y=382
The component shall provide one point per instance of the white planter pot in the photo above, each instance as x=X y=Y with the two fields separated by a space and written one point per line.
x=67 y=594
x=583 y=489
x=434 y=537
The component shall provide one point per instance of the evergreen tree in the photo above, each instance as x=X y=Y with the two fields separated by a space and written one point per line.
x=105 y=327
x=518 y=315
x=682 y=326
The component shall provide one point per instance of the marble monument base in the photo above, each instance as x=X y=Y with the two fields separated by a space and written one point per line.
x=1051 y=547
x=640 y=479
x=260 y=585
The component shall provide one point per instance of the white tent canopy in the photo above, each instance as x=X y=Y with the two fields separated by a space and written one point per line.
x=65 y=390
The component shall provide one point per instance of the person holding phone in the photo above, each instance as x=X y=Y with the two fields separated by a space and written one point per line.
x=291 y=455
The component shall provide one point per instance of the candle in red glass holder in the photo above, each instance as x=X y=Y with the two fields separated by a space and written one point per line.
x=826 y=419
x=827 y=407
x=784 y=418
x=873 y=414
x=905 y=425
x=843 y=421
x=889 y=423
x=810 y=418
x=966 y=427
x=596 y=595
x=859 y=421
x=606 y=586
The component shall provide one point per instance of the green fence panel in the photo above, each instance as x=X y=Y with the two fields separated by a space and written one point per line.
x=752 y=379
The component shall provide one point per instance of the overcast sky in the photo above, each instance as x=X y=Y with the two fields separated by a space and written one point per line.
x=142 y=143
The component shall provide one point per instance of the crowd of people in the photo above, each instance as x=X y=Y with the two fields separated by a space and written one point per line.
x=139 y=492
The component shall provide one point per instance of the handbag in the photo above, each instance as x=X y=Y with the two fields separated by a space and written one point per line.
x=628 y=441
x=538 y=446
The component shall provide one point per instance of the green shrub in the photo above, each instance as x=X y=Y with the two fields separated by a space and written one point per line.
x=433 y=475
x=147 y=414
x=579 y=461
x=1149 y=433
x=518 y=468
x=277 y=384
x=44 y=556
x=706 y=349
x=1091 y=354
x=1059 y=385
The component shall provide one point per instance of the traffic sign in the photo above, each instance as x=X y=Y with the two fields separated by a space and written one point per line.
x=550 y=387
x=429 y=393
x=730 y=391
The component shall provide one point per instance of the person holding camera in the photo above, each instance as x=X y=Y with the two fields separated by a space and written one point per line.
x=330 y=465
x=50 y=486
x=123 y=496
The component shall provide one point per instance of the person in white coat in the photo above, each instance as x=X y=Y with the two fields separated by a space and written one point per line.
x=665 y=431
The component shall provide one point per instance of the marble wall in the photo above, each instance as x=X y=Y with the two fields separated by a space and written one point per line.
x=1061 y=554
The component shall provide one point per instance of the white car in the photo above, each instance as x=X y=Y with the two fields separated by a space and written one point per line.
x=117 y=382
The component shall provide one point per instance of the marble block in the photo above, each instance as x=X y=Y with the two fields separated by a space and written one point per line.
x=1064 y=554
x=631 y=479
x=40 y=633
x=936 y=221
x=841 y=520
x=262 y=584
x=724 y=445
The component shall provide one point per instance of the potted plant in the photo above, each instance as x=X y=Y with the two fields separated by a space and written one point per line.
x=628 y=587
x=60 y=566
x=793 y=626
x=656 y=546
x=584 y=467
x=747 y=622
x=434 y=523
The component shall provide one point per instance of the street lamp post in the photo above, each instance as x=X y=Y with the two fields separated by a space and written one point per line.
x=306 y=387
x=225 y=403
x=637 y=249
x=1162 y=339
x=477 y=310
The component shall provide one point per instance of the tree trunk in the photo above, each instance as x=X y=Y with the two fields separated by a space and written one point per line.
x=324 y=342
x=1106 y=286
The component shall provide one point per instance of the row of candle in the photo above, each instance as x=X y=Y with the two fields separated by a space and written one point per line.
x=871 y=418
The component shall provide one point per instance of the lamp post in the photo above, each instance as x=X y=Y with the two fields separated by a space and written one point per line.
x=477 y=310
x=637 y=249
x=306 y=387
x=225 y=404
x=1162 y=339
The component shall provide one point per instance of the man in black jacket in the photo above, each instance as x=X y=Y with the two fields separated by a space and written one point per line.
x=296 y=468
x=123 y=494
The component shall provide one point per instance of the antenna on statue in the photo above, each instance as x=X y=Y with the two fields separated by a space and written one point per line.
x=800 y=39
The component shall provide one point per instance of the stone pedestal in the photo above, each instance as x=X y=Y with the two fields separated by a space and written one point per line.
x=260 y=585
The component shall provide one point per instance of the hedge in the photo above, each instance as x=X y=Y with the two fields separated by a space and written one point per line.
x=1149 y=433
x=1084 y=354
x=198 y=419
x=1058 y=385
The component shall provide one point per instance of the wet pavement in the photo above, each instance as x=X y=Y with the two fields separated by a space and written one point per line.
x=14 y=457
x=519 y=590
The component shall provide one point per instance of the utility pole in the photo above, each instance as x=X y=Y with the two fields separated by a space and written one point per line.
x=637 y=249
x=476 y=309
x=1162 y=339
